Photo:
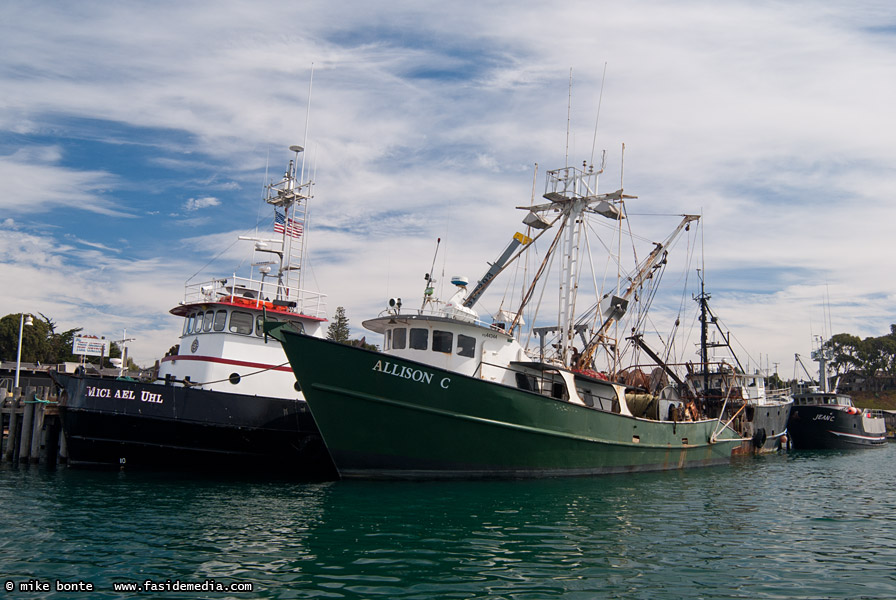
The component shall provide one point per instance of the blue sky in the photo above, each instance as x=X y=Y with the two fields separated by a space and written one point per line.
x=135 y=138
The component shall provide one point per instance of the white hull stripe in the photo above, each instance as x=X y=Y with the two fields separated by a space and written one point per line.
x=854 y=435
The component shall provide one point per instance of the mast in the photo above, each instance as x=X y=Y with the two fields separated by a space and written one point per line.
x=291 y=196
x=290 y=201
x=821 y=357
x=704 y=347
x=573 y=191
x=707 y=318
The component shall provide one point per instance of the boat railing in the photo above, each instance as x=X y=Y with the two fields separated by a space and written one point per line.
x=458 y=314
x=290 y=298
x=777 y=393
x=570 y=182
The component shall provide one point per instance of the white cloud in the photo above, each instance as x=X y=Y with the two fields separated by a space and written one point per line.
x=194 y=204
x=109 y=295
x=771 y=120
x=31 y=180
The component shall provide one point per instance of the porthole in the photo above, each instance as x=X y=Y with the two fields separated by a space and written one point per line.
x=234 y=378
x=297 y=387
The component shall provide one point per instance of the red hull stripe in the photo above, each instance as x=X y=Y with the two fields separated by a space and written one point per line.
x=225 y=361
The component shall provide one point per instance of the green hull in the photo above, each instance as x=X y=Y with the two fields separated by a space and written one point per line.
x=385 y=417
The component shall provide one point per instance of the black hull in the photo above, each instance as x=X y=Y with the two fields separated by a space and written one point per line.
x=129 y=424
x=820 y=427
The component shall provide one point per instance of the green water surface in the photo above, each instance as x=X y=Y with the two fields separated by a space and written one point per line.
x=798 y=525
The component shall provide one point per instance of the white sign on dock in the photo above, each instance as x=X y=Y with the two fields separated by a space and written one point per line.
x=89 y=346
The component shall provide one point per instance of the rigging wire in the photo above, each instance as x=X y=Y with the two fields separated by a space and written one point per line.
x=600 y=100
x=668 y=345
x=219 y=254
x=550 y=258
x=528 y=295
x=523 y=265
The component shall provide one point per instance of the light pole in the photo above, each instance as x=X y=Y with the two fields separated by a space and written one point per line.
x=23 y=320
x=124 y=352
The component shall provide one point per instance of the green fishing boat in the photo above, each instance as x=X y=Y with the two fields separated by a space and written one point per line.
x=451 y=396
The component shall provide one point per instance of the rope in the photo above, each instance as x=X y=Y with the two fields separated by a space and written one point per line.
x=39 y=401
x=193 y=383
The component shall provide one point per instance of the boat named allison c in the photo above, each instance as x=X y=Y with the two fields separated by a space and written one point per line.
x=452 y=396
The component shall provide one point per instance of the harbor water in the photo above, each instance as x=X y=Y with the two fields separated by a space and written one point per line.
x=791 y=525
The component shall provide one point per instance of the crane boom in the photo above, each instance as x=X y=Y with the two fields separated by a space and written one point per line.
x=645 y=271
x=518 y=240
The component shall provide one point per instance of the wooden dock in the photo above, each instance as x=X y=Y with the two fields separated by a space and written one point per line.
x=30 y=427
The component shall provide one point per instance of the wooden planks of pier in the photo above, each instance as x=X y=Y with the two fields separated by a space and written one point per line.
x=30 y=427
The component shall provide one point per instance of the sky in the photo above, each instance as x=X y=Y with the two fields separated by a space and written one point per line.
x=135 y=139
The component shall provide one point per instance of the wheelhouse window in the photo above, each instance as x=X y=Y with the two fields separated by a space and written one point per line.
x=220 y=320
x=188 y=325
x=587 y=397
x=207 y=321
x=241 y=322
x=466 y=345
x=296 y=326
x=259 y=324
x=419 y=339
x=526 y=382
x=558 y=391
x=442 y=341
x=399 y=338
x=196 y=322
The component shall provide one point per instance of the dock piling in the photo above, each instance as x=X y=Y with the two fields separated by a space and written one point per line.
x=30 y=428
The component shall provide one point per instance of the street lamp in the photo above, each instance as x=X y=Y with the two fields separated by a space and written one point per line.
x=23 y=320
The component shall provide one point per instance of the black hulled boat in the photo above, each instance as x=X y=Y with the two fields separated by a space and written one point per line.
x=225 y=397
x=829 y=419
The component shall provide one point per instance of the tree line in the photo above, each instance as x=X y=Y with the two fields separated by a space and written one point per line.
x=872 y=356
x=41 y=343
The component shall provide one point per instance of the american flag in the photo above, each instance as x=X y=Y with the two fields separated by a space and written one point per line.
x=291 y=226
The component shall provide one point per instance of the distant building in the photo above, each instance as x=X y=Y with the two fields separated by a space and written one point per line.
x=30 y=374
x=855 y=381
x=35 y=374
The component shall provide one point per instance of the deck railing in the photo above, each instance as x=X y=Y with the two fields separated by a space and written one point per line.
x=291 y=298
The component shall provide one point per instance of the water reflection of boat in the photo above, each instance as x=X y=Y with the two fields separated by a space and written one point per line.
x=223 y=396
x=453 y=396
